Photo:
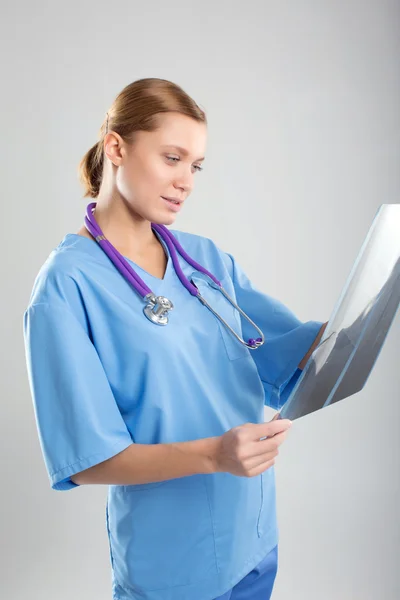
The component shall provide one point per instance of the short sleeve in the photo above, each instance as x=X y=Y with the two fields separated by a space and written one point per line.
x=77 y=417
x=287 y=339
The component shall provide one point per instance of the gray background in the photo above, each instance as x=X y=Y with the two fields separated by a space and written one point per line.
x=302 y=99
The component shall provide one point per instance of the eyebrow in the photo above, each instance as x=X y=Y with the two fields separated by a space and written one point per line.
x=182 y=150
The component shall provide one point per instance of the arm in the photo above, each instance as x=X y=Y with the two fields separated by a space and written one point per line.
x=145 y=463
x=315 y=343
x=288 y=340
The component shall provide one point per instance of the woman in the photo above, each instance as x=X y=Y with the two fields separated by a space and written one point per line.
x=169 y=416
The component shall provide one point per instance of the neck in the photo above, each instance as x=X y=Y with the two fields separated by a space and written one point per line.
x=129 y=233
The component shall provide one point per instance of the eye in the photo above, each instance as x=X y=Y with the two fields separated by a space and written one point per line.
x=174 y=158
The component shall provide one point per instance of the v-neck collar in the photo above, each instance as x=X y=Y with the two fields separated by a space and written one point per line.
x=169 y=260
x=95 y=246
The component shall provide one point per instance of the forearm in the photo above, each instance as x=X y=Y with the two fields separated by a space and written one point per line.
x=315 y=343
x=146 y=463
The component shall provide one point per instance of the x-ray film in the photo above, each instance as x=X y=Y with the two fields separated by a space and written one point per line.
x=350 y=345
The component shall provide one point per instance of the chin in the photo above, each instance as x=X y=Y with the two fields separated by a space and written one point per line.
x=164 y=220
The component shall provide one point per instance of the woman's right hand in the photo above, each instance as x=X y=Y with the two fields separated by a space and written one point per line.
x=240 y=450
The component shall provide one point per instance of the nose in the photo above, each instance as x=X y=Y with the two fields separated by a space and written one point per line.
x=184 y=181
x=184 y=187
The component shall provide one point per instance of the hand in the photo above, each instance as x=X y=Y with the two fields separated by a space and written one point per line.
x=240 y=450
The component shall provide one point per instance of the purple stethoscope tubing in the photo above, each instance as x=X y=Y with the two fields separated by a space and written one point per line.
x=139 y=285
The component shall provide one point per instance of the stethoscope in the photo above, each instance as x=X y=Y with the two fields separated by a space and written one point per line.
x=157 y=307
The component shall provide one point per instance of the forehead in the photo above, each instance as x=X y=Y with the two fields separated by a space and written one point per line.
x=183 y=134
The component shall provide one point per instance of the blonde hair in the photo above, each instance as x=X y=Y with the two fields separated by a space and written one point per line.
x=136 y=108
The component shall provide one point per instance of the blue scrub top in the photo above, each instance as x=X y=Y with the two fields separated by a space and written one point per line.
x=102 y=377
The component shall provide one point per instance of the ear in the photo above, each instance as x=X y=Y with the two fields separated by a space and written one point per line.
x=114 y=148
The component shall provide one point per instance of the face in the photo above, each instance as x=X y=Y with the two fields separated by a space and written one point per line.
x=152 y=167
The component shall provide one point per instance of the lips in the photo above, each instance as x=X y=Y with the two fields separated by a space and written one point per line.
x=177 y=200
x=172 y=205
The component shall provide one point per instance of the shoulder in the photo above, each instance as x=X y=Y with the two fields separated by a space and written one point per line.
x=205 y=251
x=57 y=283
x=192 y=239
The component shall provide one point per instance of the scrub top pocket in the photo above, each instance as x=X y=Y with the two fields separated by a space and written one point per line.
x=226 y=310
x=154 y=540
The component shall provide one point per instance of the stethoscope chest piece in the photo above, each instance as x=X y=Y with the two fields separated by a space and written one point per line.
x=157 y=309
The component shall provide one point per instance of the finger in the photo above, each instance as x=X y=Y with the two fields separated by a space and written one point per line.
x=261 y=468
x=264 y=447
x=271 y=428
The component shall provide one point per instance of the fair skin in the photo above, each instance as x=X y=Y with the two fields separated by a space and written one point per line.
x=135 y=177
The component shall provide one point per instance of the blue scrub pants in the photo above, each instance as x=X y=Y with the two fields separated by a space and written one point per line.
x=258 y=584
